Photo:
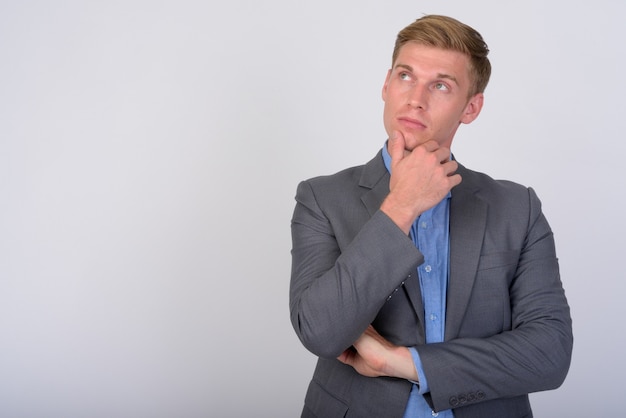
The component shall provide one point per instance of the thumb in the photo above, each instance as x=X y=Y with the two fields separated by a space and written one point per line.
x=395 y=146
x=347 y=357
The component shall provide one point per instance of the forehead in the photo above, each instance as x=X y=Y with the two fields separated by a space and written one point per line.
x=425 y=58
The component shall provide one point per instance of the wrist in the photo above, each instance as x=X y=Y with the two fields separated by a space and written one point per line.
x=400 y=364
x=401 y=216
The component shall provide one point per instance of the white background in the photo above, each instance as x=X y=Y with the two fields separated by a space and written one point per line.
x=149 y=156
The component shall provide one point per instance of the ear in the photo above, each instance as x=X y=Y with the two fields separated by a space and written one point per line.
x=473 y=108
x=384 y=92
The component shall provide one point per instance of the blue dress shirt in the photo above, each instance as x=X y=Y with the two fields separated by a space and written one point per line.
x=430 y=233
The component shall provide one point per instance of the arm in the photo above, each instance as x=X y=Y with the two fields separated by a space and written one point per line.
x=373 y=356
x=533 y=355
x=338 y=288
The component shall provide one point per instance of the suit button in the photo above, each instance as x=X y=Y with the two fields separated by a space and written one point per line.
x=454 y=401
x=480 y=395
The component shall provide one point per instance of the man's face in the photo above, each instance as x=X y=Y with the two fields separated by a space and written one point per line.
x=426 y=95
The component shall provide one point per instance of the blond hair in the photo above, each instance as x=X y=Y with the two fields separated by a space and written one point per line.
x=447 y=33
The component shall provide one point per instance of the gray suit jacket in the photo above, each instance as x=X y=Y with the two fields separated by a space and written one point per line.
x=508 y=328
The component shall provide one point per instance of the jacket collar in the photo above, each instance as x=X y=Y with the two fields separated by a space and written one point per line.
x=374 y=178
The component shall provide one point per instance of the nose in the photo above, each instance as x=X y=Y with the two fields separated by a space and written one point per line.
x=418 y=97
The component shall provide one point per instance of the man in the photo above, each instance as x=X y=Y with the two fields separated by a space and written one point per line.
x=424 y=288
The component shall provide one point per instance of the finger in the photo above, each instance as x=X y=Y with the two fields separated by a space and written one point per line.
x=443 y=154
x=449 y=167
x=347 y=357
x=371 y=331
x=455 y=180
x=431 y=146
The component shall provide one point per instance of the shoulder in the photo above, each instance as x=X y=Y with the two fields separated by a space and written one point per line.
x=504 y=197
x=485 y=185
x=327 y=191
x=347 y=175
x=353 y=179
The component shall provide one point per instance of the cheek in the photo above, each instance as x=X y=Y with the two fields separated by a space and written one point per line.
x=387 y=118
x=394 y=102
x=444 y=124
x=449 y=117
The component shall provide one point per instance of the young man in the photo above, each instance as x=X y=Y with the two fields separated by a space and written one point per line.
x=423 y=287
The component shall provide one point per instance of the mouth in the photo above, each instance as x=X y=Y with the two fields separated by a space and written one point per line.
x=411 y=123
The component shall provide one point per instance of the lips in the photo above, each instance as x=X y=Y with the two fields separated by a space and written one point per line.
x=411 y=123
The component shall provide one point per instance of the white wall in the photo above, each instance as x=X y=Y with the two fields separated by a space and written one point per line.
x=149 y=155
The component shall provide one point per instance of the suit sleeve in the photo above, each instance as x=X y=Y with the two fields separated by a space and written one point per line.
x=533 y=355
x=337 y=289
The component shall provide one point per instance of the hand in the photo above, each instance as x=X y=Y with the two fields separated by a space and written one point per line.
x=419 y=179
x=372 y=355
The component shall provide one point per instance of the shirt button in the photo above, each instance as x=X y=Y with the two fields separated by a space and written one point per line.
x=433 y=317
x=435 y=414
x=428 y=268
x=424 y=224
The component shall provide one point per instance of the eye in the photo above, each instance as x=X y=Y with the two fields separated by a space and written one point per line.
x=441 y=86
x=404 y=76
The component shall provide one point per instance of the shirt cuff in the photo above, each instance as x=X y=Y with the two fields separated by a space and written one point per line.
x=417 y=362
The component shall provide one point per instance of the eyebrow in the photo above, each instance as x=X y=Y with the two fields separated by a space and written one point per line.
x=439 y=75
x=406 y=67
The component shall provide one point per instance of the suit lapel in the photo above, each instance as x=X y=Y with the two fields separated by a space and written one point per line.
x=468 y=219
x=375 y=178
